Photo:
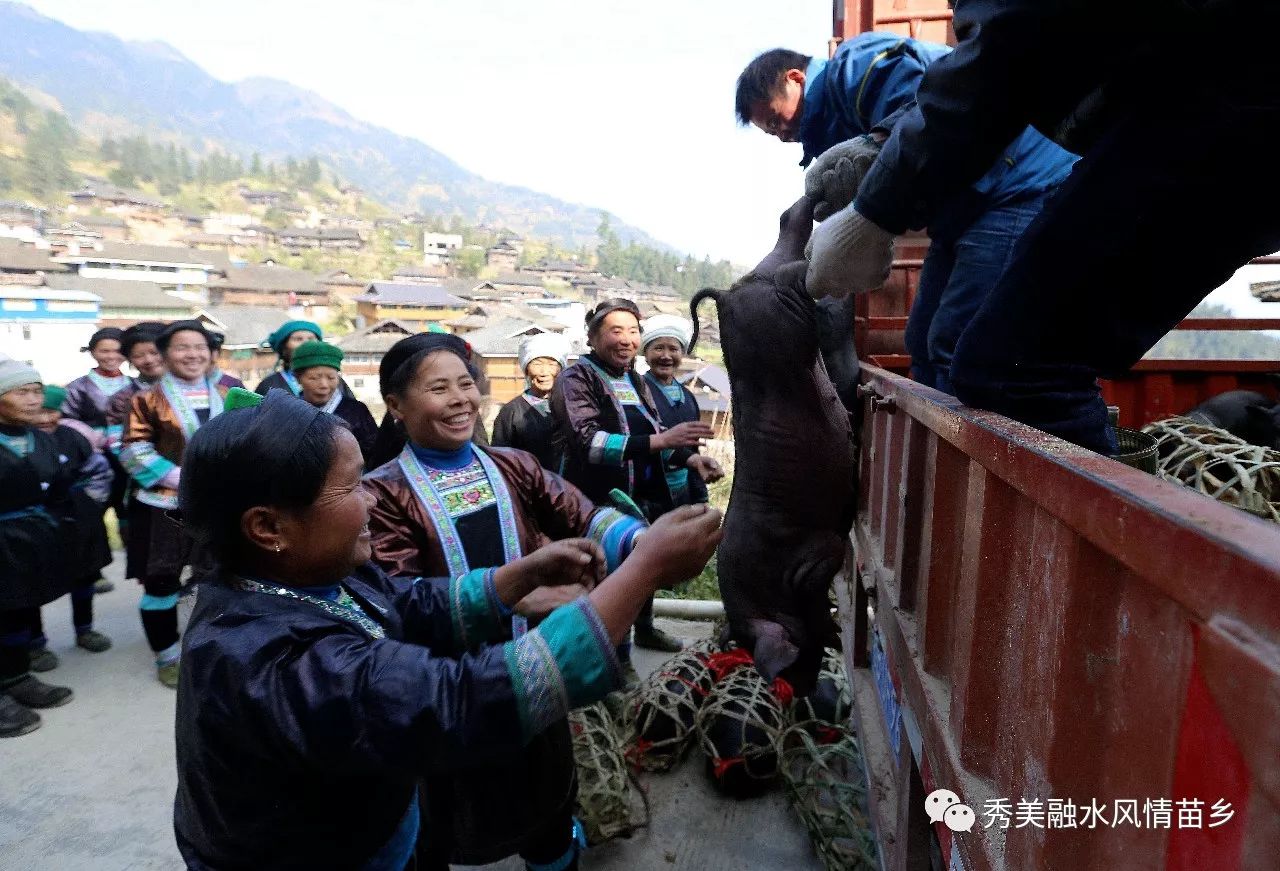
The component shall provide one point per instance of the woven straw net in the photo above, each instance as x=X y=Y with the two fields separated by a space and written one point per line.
x=665 y=709
x=1219 y=465
x=825 y=785
x=827 y=709
x=606 y=800
x=738 y=729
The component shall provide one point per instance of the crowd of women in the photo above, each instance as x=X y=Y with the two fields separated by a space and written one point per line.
x=405 y=612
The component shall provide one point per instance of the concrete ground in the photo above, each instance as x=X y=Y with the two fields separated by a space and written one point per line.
x=92 y=789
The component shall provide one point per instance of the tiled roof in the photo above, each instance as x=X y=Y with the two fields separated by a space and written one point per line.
x=502 y=337
x=244 y=325
x=375 y=339
x=123 y=293
x=427 y=295
x=16 y=257
x=268 y=279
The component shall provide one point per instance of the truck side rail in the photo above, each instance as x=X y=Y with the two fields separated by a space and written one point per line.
x=1031 y=622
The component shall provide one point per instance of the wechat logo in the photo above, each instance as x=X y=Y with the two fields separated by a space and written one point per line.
x=944 y=806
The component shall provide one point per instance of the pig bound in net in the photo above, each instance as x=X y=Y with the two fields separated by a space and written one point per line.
x=664 y=710
x=825 y=712
x=1219 y=465
x=738 y=729
x=606 y=799
x=824 y=783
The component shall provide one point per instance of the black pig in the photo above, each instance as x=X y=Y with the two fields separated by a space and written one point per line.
x=1243 y=413
x=792 y=503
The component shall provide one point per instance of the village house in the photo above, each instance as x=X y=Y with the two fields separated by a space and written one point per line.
x=419 y=274
x=710 y=386
x=22 y=221
x=341 y=284
x=46 y=328
x=169 y=265
x=111 y=227
x=497 y=352
x=561 y=270
x=514 y=286
x=411 y=304
x=362 y=352
x=571 y=313
x=502 y=256
x=244 y=328
x=296 y=239
x=272 y=286
x=72 y=234
x=124 y=203
x=124 y=303
x=349 y=222
x=442 y=243
x=25 y=264
x=263 y=199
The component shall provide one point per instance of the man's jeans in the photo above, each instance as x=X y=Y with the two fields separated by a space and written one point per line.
x=958 y=274
x=1162 y=210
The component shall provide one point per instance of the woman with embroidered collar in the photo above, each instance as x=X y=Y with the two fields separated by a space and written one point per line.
x=525 y=422
x=611 y=437
x=36 y=480
x=318 y=368
x=445 y=506
x=313 y=679
x=283 y=341
x=161 y=422
x=89 y=396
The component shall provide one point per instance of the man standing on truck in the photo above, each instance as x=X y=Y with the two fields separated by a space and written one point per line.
x=1175 y=190
x=840 y=111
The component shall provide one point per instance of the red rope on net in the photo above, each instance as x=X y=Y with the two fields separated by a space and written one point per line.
x=720 y=767
x=721 y=664
x=782 y=691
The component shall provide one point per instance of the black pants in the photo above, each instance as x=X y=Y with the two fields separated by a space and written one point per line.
x=160 y=624
x=81 y=612
x=15 y=644
x=1161 y=211
x=542 y=848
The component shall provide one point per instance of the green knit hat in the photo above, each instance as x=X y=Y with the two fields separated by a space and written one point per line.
x=310 y=354
x=54 y=396
x=277 y=339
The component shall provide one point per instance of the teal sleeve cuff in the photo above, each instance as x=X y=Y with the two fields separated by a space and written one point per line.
x=567 y=662
x=475 y=609
x=607 y=449
x=616 y=533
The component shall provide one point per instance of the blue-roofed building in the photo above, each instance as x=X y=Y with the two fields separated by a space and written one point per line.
x=47 y=328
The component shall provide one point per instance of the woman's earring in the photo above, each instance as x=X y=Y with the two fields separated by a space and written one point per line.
x=277 y=547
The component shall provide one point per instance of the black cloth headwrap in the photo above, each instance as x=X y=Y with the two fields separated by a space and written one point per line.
x=162 y=341
x=411 y=349
x=597 y=315
x=142 y=331
x=104 y=333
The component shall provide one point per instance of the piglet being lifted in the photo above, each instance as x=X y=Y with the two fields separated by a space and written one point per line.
x=793 y=489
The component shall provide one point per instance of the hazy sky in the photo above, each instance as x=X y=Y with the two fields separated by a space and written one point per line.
x=624 y=106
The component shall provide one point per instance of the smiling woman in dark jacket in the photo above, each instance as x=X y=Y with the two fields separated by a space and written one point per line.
x=318 y=690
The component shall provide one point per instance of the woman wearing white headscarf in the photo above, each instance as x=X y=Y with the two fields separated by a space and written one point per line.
x=525 y=422
x=665 y=341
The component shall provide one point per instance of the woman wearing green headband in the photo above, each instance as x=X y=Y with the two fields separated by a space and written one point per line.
x=317 y=367
x=287 y=337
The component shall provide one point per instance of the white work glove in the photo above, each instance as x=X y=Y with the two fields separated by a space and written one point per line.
x=832 y=180
x=847 y=254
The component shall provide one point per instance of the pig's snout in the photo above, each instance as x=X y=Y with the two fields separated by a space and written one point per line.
x=794 y=229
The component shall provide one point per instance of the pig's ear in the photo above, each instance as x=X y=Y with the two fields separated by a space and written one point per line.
x=791 y=276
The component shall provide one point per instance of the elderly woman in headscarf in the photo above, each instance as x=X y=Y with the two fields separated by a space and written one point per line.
x=665 y=342
x=36 y=520
x=445 y=506
x=318 y=368
x=283 y=341
x=87 y=548
x=161 y=422
x=611 y=436
x=316 y=683
x=525 y=422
